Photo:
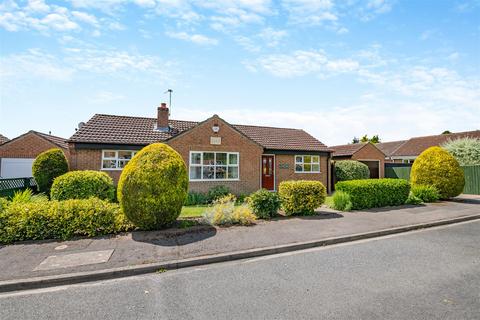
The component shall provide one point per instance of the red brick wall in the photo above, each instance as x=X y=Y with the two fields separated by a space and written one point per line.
x=27 y=146
x=370 y=152
x=289 y=174
x=89 y=159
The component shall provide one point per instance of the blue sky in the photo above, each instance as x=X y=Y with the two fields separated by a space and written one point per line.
x=337 y=69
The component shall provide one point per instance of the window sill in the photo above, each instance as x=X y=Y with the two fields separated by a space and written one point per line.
x=212 y=180
x=308 y=172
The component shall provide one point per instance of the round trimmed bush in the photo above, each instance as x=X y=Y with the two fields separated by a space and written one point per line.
x=264 y=203
x=153 y=187
x=351 y=170
x=83 y=185
x=438 y=168
x=301 y=196
x=47 y=166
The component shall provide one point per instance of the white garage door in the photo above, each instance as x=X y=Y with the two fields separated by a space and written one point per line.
x=16 y=168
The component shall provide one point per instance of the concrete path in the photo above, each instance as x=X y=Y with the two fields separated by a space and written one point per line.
x=27 y=260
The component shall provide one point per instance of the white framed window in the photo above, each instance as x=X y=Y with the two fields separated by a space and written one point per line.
x=307 y=164
x=116 y=159
x=209 y=165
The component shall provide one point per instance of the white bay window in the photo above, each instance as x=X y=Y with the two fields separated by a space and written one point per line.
x=206 y=165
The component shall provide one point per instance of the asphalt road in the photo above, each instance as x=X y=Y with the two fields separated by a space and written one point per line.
x=430 y=274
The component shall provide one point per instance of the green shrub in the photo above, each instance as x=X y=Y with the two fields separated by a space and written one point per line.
x=425 y=193
x=47 y=166
x=351 y=170
x=438 y=168
x=27 y=195
x=217 y=192
x=60 y=220
x=153 y=187
x=264 y=204
x=301 y=196
x=412 y=199
x=196 y=198
x=3 y=203
x=83 y=185
x=465 y=150
x=373 y=193
x=341 y=201
x=224 y=212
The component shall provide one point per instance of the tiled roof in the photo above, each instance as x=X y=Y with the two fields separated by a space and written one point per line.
x=415 y=146
x=61 y=142
x=389 y=147
x=3 y=139
x=111 y=129
x=346 y=149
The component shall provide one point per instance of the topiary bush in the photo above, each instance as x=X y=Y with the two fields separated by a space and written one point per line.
x=351 y=170
x=425 y=193
x=265 y=204
x=47 y=166
x=466 y=150
x=83 y=185
x=301 y=196
x=438 y=168
x=373 y=193
x=217 y=192
x=341 y=201
x=60 y=220
x=153 y=187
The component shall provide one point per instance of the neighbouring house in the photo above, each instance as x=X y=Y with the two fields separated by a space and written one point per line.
x=411 y=149
x=388 y=148
x=366 y=153
x=3 y=139
x=17 y=155
x=244 y=158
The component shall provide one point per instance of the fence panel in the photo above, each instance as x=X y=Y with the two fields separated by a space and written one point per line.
x=472 y=179
x=398 y=172
x=9 y=186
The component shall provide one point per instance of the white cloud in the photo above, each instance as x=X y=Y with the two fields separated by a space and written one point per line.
x=104 y=97
x=310 y=12
x=272 y=37
x=38 y=6
x=195 y=38
x=85 y=17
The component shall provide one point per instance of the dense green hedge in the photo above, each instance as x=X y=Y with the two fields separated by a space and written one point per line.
x=351 y=170
x=60 y=220
x=153 y=187
x=83 y=185
x=372 y=193
x=301 y=196
x=264 y=203
x=47 y=166
x=425 y=193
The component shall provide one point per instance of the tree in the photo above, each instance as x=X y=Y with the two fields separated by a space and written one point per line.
x=375 y=139
x=446 y=132
x=355 y=140
x=365 y=138
x=465 y=150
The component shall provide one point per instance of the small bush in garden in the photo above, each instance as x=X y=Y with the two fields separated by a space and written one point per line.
x=47 y=166
x=217 y=192
x=425 y=193
x=153 y=187
x=374 y=193
x=265 y=204
x=438 y=168
x=351 y=170
x=341 y=201
x=60 y=220
x=412 y=199
x=196 y=198
x=3 y=203
x=465 y=150
x=301 y=196
x=224 y=212
x=27 y=195
x=83 y=185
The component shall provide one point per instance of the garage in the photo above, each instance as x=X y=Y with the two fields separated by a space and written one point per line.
x=374 y=167
x=15 y=168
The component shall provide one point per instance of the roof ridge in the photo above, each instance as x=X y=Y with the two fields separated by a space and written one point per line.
x=139 y=117
x=443 y=134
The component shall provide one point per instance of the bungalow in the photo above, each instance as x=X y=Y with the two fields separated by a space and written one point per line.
x=366 y=153
x=17 y=155
x=242 y=157
x=388 y=148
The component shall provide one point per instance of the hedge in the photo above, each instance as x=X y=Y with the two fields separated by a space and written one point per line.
x=83 y=185
x=351 y=170
x=47 y=166
x=153 y=187
x=373 y=193
x=60 y=220
x=264 y=203
x=425 y=193
x=301 y=196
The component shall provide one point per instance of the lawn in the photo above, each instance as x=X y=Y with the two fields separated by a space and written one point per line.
x=192 y=211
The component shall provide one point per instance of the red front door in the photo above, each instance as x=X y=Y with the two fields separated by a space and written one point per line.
x=268 y=172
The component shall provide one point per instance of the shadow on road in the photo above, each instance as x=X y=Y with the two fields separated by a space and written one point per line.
x=175 y=237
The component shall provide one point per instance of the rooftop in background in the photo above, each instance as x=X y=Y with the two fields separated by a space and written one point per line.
x=347 y=150
x=58 y=141
x=3 y=139
x=126 y=130
x=389 y=147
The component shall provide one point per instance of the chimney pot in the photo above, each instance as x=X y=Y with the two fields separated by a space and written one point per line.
x=162 y=117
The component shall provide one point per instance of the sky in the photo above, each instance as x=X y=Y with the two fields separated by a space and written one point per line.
x=336 y=68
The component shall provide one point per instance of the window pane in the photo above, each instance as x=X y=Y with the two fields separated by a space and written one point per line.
x=221 y=172
x=298 y=168
x=208 y=172
x=124 y=155
x=232 y=172
x=122 y=163
x=209 y=158
x=299 y=159
x=316 y=167
x=109 y=154
x=196 y=158
x=233 y=158
x=195 y=173
x=307 y=159
x=307 y=167
x=109 y=164
x=315 y=159
x=221 y=158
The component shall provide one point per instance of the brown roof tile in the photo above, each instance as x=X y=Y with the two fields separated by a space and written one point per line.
x=347 y=149
x=111 y=129
x=61 y=142
x=3 y=139
x=389 y=147
x=417 y=145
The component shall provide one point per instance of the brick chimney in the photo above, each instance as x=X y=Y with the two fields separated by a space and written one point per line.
x=162 y=116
